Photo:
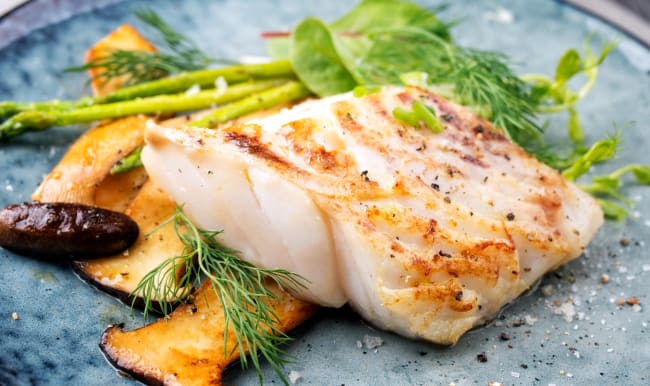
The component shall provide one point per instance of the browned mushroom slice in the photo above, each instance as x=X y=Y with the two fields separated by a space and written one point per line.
x=119 y=275
x=187 y=348
x=125 y=37
x=88 y=161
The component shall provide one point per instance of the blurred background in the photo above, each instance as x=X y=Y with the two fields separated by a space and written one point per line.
x=632 y=16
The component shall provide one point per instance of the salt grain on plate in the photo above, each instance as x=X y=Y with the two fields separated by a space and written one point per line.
x=548 y=290
x=294 y=377
x=514 y=374
x=567 y=310
x=372 y=342
x=530 y=320
x=636 y=308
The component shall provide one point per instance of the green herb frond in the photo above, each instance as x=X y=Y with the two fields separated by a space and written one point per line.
x=242 y=289
x=178 y=53
x=481 y=80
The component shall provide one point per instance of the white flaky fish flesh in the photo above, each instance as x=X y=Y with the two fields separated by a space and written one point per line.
x=424 y=234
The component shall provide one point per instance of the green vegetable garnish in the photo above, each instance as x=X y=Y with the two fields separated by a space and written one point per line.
x=179 y=54
x=41 y=120
x=241 y=288
x=422 y=115
x=128 y=163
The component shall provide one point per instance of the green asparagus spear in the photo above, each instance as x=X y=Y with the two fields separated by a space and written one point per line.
x=41 y=120
x=203 y=78
x=128 y=163
x=286 y=93
x=170 y=85
x=8 y=108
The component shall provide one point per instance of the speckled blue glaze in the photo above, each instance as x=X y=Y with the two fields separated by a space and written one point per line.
x=55 y=340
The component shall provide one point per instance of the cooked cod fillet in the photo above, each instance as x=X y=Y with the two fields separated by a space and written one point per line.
x=423 y=234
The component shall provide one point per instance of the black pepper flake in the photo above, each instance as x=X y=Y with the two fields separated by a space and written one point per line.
x=447 y=200
x=444 y=254
x=450 y=171
x=504 y=337
x=479 y=129
x=523 y=366
x=624 y=242
x=435 y=187
x=447 y=117
x=510 y=216
x=423 y=353
x=364 y=174
x=459 y=296
x=481 y=357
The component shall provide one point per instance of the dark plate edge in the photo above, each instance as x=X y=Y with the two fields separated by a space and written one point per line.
x=607 y=11
x=615 y=15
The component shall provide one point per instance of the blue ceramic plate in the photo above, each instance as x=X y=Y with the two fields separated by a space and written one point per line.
x=54 y=341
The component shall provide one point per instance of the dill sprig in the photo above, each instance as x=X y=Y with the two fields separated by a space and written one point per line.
x=480 y=80
x=179 y=54
x=242 y=289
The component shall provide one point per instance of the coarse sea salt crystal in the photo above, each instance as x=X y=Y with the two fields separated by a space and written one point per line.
x=372 y=342
x=530 y=320
x=567 y=310
x=294 y=377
